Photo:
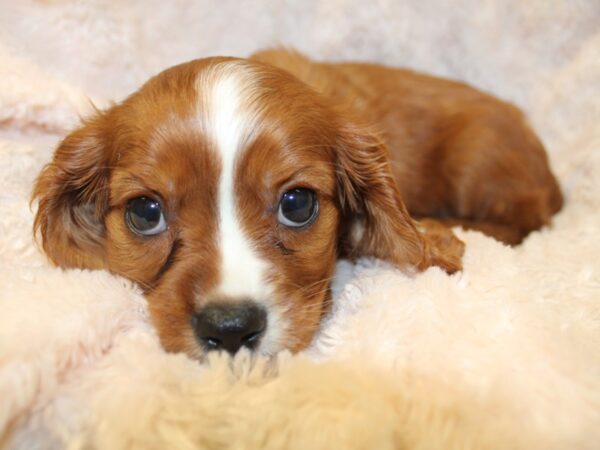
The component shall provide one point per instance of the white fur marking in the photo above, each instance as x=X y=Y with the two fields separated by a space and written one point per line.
x=230 y=122
x=242 y=271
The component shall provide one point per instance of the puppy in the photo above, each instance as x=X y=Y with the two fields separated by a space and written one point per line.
x=228 y=188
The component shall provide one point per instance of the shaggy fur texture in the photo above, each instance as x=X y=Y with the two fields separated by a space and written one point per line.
x=503 y=355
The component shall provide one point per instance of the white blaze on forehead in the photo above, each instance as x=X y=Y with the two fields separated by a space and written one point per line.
x=227 y=94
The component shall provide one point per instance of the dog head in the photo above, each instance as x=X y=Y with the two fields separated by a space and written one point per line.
x=227 y=189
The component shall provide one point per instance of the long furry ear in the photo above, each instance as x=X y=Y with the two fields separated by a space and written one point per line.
x=72 y=194
x=376 y=221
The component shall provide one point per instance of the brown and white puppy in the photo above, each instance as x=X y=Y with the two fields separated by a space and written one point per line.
x=228 y=188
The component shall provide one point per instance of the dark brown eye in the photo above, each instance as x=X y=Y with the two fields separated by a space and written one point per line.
x=297 y=207
x=144 y=216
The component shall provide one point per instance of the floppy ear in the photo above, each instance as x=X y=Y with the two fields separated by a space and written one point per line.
x=376 y=220
x=72 y=192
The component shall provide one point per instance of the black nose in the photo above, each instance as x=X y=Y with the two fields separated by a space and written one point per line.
x=230 y=326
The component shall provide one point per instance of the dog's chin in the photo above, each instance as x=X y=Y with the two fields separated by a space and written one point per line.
x=197 y=352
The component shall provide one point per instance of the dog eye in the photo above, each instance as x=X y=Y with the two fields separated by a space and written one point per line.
x=297 y=207
x=144 y=216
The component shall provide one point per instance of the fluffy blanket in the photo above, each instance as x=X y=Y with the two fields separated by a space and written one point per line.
x=504 y=355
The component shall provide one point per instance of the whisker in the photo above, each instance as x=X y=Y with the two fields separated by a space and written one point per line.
x=310 y=286
x=143 y=284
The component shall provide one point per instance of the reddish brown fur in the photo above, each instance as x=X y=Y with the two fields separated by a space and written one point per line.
x=457 y=154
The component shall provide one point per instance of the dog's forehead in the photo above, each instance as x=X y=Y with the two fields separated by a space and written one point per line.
x=179 y=127
x=229 y=107
x=218 y=112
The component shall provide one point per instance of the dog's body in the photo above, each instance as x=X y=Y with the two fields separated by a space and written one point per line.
x=457 y=154
x=228 y=188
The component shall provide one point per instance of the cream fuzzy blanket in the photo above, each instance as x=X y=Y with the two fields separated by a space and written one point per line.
x=504 y=355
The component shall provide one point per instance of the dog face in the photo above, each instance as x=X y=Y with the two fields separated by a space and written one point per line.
x=227 y=189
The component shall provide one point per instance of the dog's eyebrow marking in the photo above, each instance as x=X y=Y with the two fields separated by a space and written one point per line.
x=229 y=98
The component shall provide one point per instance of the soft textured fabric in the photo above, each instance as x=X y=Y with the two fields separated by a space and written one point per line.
x=505 y=354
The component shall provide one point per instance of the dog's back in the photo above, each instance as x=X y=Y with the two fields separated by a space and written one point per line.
x=457 y=154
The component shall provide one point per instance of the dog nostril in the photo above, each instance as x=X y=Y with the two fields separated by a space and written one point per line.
x=252 y=338
x=211 y=343
x=230 y=326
